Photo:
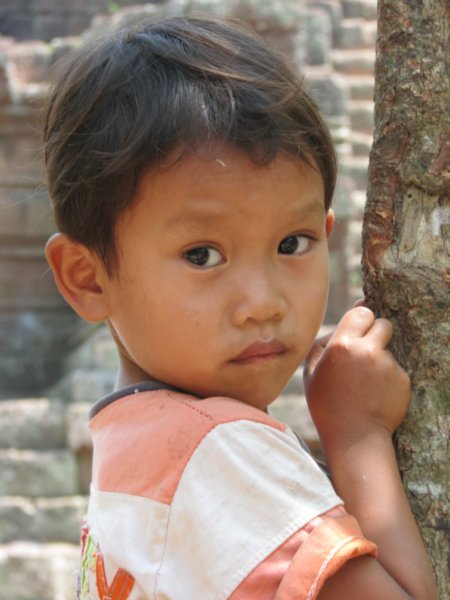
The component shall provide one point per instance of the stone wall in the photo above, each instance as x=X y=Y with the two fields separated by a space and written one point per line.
x=331 y=41
x=48 y=19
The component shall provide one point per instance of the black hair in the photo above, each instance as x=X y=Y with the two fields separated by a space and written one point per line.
x=122 y=104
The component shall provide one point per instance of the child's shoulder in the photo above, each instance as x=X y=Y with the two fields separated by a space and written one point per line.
x=219 y=410
x=160 y=432
x=155 y=403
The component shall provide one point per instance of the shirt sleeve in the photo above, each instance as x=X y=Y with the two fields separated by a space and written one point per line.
x=246 y=491
x=299 y=567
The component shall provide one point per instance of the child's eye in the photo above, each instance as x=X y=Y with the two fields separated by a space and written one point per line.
x=204 y=256
x=294 y=244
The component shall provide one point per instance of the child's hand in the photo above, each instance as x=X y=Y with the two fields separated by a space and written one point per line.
x=358 y=395
x=354 y=386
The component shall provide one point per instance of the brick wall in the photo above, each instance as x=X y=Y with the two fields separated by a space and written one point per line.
x=47 y=19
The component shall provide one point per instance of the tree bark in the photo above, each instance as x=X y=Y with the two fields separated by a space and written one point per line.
x=406 y=245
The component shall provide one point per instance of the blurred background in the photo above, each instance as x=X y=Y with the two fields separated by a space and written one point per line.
x=52 y=365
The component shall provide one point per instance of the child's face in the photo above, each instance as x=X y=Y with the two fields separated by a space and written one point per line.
x=223 y=274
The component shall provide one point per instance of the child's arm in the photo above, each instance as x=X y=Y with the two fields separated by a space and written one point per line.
x=358 y=395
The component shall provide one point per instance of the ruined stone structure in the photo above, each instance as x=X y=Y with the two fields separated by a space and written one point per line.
x=46 y=353
x=48 y=19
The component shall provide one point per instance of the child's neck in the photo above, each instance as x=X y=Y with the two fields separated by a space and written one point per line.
x=129 y=373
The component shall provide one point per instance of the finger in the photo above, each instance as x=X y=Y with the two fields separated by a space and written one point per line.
x=324 y=339
x=354 y=324
x=313 y=357
x=380 y=333
x=315 y=353
x=359 y=302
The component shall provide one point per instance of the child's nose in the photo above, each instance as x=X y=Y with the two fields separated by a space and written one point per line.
x=259 y=299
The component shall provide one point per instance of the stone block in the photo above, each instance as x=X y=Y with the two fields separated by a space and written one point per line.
x=286 y=15
x=80 y=442
x=29 y=62
x=342 y=206
x=84 y=385
x=42 y=519
x=25 y=282
x=39 y=220
x=13 y=8
x=81 y=6
x=49 y=25
x=318 y=37
x=359 y=198
x=60 y=46
x=20 y=156
x=361 y=87
x=360 y=171
x=356 y=33
x=78 y=435
x=338 y=298
x=340 y=132
x=18 y=119
x=332 y=7
x=354 y=9
x=13 y=212
x=356 y=167
x=34 y=473
x=291 y=44
x=355 y=241
x=77 y=23
x=33 y=344
x=56 y=6
x=16 y=24
x=84 y=465
x=97 y=351
x=293 y=410
x=361 y=143
x=34 y=424
x=329 y=90
x=5 y=97
x=354 y=62
x=30 y=571
x=361 y=114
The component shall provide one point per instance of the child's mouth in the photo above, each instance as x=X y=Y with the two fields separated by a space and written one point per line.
x=260 y=351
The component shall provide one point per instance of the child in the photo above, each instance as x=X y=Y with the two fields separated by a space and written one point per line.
x=192 y=179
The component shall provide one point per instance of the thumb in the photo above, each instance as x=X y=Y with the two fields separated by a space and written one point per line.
x=315 y=354
x=354 y=324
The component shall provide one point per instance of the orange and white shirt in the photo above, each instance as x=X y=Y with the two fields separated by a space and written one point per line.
x=206 y=499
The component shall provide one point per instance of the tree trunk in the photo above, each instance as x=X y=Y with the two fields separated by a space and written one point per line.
x=406 y=245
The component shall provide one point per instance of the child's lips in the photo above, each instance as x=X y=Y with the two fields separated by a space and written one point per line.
x=260 y=351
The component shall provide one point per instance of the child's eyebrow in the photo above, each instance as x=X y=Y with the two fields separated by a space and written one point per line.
x=209 y=216
x=197 y=217
x=315 y=205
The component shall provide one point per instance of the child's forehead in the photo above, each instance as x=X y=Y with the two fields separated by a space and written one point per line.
x=225 y=183
x=209 y=165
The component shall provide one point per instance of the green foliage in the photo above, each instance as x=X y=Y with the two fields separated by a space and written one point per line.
x=113 y=7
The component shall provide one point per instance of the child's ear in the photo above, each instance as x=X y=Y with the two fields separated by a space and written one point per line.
x=329 y=223
x=79 y=275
